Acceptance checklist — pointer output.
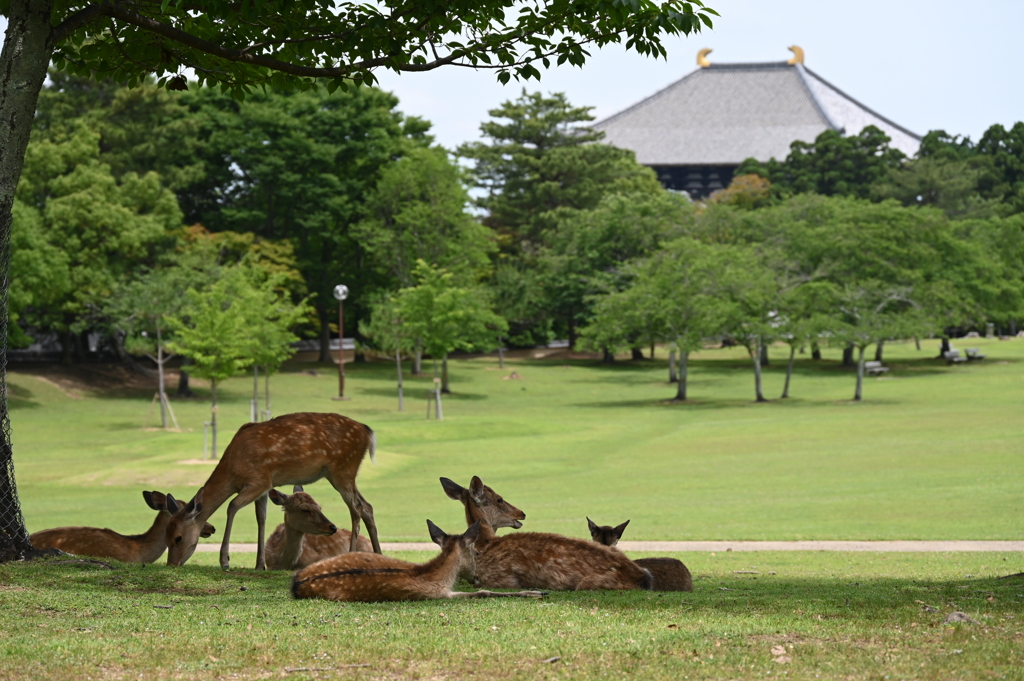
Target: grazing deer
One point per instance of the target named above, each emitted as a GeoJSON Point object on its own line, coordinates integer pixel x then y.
{"type": "Point", "coordinates": [669, 574]}
{"type": "Point", "coordinates": [104, 543]}
{"type": "Point", "coordinates": [306, 535]}
{"type": "Point", "coordinates": [294, 449]}
{"type": "Point", "coordinates": [606, 534]}
{"type": "Point", "coordinates": [372, 578]}
{"type": "Point", "coordinates": [537, 560]}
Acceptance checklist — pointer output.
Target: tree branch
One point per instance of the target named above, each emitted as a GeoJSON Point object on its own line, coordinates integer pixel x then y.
{"type": "Point", "coordinates": [74, 22]}
{"type": "Point", "coordinates": [132, 17]}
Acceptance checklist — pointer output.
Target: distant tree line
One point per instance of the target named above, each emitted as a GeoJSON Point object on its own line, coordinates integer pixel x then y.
{"type": "Point", "coordinates": [846, 241]}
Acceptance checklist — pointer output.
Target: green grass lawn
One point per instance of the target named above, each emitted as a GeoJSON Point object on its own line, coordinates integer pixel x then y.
{"type": "Point", "coordinates": [933, 451]}
{"type": "Point", "coordinates": [801, 616]}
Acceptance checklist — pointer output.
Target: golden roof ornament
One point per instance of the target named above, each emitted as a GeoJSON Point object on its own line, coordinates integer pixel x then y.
{"type": "Point", "coordinates": [702, 57]}
{"type": "Point", "coordinates": [798, 55]}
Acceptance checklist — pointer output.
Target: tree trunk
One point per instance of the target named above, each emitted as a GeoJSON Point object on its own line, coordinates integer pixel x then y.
{"type": "Point", "coordinates": [183, 389]}
{"type": "Point", "coordinates": [23, 62]}
{"type": "Point", "coordinates": [444, 374]}
{"type": "Point", "coordinates": [417, 364]}
{"type": "Point", "coordinates": [917, 343]}
{"type": "Point", "coordinates": [266, 392]}
{"type": "Point", "coordinates": [878, 350]}
{"type": "Point", "coordinates": [684, 360]}
{"type": "Point", "coordinates": [160, 374]}
{"type": "Point", "coordinates": [572, 333]}
{"type": "Point", "coordinates": [638, 354]}
{"type": "Point", "coordinates": [860, 373]}
{"type": "Point", "coordinates": [764, 354]}
{"type": "Point", "coordinates": [789, 371]}
{"type": "Point", "coordinates": [815, 351]}
{"type": "Point", "coordinates": [755, 355]}
{"type": "Point", "coordinates": [213, 418]}
{"type": "Point", "coordinates": [398, 367]}
{"type": "Point", "coordinates": [254, 405]}
{"type": "Point", "coordinates": [672, 378]}
{"type": "Point", "coordinates": [67, 348]}
{"type": "Point", "coordinates": [501, 354]}
{"type": "Point", "coordinates": [608, 357]}
{"type": "Point", "coordinates": [944, 348]}
{"type": "Point", "coordinates": [325, 339]}
{"type": "Point", "coordinates": [848, 356]}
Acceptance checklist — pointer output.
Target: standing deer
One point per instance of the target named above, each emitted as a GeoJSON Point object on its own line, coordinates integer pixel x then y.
{"type": "Point", "coordinates": [539, 560]}
{"type": "Point", "coordinates": [294, 449]}
{"type": "Point", "coordinates": [372, 578]}
{"type": "Point", "coordinates": [306, 535]}
{"type": "Point", "coordinates": [669, 574]}
{"type": "Point", "coordinates": [104, 543]}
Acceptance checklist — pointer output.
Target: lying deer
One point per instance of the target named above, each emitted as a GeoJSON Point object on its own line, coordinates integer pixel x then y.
{"type": "Point", "coordinates": [669, 573]}
{"type": "Point", "coordinates": [371, 578]}
{"type": "Point", "coordinates": [538, 560]}
{"type": "Point", "coordinates": [104, 543]}
{"type": "Point", "coordinates": [294, 449]}
{"type": "Point", "coordinates": [606, 534]}
{"type": "Point", "coordinates": [306, 535]}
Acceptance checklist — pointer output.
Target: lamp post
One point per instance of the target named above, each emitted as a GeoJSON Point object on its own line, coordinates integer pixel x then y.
{"type": "Point", "coordinates": [340, 294]}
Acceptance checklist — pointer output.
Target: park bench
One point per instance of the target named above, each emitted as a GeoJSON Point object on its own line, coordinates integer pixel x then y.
{"type": "Point", "coordinates": [874, 368]}
{"type": "Point", "coordinates": [974, 354]}
{"type": "Point", "coordinates": [953, 357]}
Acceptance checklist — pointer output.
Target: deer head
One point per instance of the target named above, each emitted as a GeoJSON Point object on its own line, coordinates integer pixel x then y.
{"type": "Point", "coordinates": [302, 513]}
{"type": "Point", "coordinates": [606, 534]}
{"type": "Point", "coordinates": [183, 531]}
{"type": "Point", "coordinates": [499, 513]}
{"type": "Point", "coordinates": [158, 502]}
{"type": "Point", "coordinates": [467, 554]}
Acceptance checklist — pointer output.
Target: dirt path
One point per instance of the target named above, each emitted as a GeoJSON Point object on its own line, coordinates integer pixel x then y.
{"type": "Point", "coordinates": [707, 546]}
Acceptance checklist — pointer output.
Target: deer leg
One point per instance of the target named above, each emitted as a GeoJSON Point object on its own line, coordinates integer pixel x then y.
{"type": "Point", "coordinates": [366, 511]}
{"type": "Point", "coordinates": [359, 509]}
{"type": "Point", "coordinates": [245, 496]}
{"type": "Point", "coordinates": [496, 594]}
{"type": "Point", "coordinates": [261, 524]}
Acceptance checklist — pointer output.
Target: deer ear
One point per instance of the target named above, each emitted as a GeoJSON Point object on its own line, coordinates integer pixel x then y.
{"type": "Point", "coordinates": [151, 502]}
{"type": "Point", "coordinates": [471, 534]}
{"type": "Point", "coordinates": [277, 497]}
{"type": "Point", "coordinates": [620, 529]}
{"type": "Point", "coordinates": [208, 530]}
{"type": "Point", "coordinates": [172, 505]}
{"type": "Point", "coordinates": [591, 525]}
{"type": "Point", "coordinates": [452, 489]}
{"type": "Point", "coordinates": [476, 489]}
{"type": "Point", "coordinates": [437, 535]}
{"type": "Point", "coordinates": [297, 488]}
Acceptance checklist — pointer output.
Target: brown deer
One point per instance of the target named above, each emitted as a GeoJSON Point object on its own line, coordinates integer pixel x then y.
{"type": "Point", "coordinates": [294, 449]}
{"type": "Point", "coordinates": [606, 534]}
{"type": "Point", "coordinates": [538, 560]}
{"type": "Point", "coordinates": [372, 578]}
{"type": "Point", "coordinates": [669, 574]}
{"type": "Point", "coordinates": [306, 535]}
{"type": "Point", "coordinates": [104, 543]}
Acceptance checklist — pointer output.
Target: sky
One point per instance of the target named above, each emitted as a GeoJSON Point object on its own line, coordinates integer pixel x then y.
{"type": "Point", "coordinates": [925, 64]}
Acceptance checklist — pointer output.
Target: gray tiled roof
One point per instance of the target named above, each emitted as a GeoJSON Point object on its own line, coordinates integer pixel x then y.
{"type": "Point", "coordinates": [724, 113]}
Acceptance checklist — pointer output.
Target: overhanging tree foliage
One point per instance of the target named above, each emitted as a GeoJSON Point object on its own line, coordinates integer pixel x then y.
{"type": "Point", "coordinates": [238, 46]}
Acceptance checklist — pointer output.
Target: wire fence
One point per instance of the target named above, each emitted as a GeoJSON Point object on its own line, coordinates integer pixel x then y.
{"type": "Point", "coordinates": [14, 541]}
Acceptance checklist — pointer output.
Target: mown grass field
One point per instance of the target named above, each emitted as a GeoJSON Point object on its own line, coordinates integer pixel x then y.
{"type": "Point", "coordinates": [933, 451]}
{"type": "Point", "coordinates": [802, 616]}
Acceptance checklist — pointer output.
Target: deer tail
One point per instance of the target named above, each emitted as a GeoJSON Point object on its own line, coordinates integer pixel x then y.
{"type": "Point", "coordinates": [371, 448]}
{"type": "Point", "coordinates": [647, 581]}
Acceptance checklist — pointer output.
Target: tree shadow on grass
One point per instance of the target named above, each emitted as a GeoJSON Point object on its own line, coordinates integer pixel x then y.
{"type": "Point", "coordinates": [20, 398]}
{"type": "Point", "coordinates": [423, 394]}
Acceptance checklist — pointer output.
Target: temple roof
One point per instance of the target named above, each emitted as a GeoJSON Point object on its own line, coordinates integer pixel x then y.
{"type": "Point", "coordinates": [721, 114]}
